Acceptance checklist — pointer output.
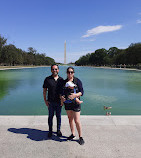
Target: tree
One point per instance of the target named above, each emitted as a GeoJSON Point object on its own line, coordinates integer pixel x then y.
{"type": "Point", "coordinates": [113, 51]}
{"type": "Point", "coordinates": [120, 58]}
{"type": "Point", "coordinates": [92, 59]}
{"type": "Point", "coordinates": [84, 60]}
{"type": "Point", "coordinates": [10, 55]}
{"type": "Point", "coordinates": [133, 54]}
{"type": "Point", "coordinates": [2, 44]}
{"type": "Point", "coordinates": [31, 56]}
{"type": "Point", "coordinates": [129, 56]}
{"type": "Point", "coordinates": [49, 61]}
{"type": "Point", "coordinates": [97, 58]}
{"type": "Point", "coordinates": [112, 54]}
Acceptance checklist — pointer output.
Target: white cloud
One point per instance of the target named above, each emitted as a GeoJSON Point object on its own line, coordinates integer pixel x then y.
{"type": "Point", "coordinates": [138, 21]}
{"type": "Point", "coordinates": [101, 29]}
{"type": "Point", "coordinates": [91, 40]}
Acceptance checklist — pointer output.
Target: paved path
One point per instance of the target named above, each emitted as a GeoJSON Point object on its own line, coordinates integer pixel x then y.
{"type": "Point", "coordinates": [105, 137]}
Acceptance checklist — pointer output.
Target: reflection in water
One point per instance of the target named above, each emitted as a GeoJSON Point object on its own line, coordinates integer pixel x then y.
{"type": "Point", "coordinates": [11, 79]}
{"type": "Point", "coordinates": [21, 91]}
{"type": "Point", "coordinates": [102, 98]}
{"type": "Point", "coordinates": [3, 88]}
{"type": "Point", "coordinates": [133, 82]}
{"type": "Point", "coordinates": [6, 83]}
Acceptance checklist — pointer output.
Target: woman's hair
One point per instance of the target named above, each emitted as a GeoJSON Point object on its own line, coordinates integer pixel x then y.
{"type": "Point", "coordinates": [70, 67]}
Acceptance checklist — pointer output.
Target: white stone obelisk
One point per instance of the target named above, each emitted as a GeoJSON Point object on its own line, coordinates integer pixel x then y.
{"type": "Point", "coordinates": [65, 52]}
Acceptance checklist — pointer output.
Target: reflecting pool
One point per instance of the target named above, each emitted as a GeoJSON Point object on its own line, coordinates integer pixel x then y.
{"type": "Point", "coordinates": [21, 91]}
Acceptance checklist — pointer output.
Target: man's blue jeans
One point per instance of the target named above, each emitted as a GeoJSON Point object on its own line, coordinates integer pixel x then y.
{"type": "Point", "coordinates": [54, 107]}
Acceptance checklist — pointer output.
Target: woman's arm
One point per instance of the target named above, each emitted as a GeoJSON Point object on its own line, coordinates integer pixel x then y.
{"type": "Point", "coordinates": [75, 95]}
{"type": "Point", "coordinates": [80, 89]}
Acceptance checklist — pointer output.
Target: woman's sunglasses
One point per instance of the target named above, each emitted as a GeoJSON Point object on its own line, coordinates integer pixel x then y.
{"type": "Point", "coordinates": [70, 72]}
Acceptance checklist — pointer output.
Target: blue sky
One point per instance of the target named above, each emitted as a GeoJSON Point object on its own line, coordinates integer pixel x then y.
{"type": "Point", "coordinates": [86, 25]}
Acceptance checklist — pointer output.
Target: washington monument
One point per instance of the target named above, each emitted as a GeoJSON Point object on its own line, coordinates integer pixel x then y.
{"type": "Point", "coordinates": [65, 52]}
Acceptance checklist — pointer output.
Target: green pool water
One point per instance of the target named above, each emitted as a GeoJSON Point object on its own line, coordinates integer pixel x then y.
{"type": "Point", "coordinates": [21, 91]}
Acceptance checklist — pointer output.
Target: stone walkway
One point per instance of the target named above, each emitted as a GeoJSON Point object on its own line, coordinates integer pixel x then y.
{"type": "Point", "coordinates": [105, 137]}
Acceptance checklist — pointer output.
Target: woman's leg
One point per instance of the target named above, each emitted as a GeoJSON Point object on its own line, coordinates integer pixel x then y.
{"type": "Point", "coordinates": [78, 126]}
{"type": "Point", "coordinates": [77, 122]}
{"type": "Point", "coordinates": [71, 121]}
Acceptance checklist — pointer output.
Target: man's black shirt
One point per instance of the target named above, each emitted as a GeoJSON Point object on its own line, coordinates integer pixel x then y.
{"type": "Point", "coordinates": [54, 87]}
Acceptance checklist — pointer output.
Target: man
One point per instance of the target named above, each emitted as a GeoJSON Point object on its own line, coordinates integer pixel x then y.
{"type": "Point", "coordinates": [53, 84]}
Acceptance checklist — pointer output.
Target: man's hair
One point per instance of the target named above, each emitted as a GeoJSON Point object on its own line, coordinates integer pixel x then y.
{"type": "Point", "coordinates": [54, 65]}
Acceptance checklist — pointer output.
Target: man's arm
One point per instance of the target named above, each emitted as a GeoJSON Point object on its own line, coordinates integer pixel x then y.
{"type": "Point", "coordinates": [44, 95]}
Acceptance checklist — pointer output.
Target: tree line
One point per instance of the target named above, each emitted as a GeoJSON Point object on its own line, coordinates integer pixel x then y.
{"type": "Point", "coordinates": [129, 57]}
{"type": "Point", "coordinates": [11, 56]}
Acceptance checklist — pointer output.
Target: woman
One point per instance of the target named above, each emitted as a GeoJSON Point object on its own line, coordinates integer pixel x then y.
{"type": "Point", "coordinates": [73, 109]}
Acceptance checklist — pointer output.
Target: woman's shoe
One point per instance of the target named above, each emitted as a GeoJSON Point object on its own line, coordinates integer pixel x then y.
{"type": "Point", "coordinates": [71, 137]}
{"type": "Point", "coordinates": [81, 141]}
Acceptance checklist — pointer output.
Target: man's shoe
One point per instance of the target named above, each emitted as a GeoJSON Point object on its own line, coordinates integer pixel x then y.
{"type": "Point", "coordinates": [59, 133]}
{"type": "Point", "coordinates": [71, 137]}
{"type": "Point", "coordinates": [50, 134]}
{"type": "Point", "coordinates": [81, 141]}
